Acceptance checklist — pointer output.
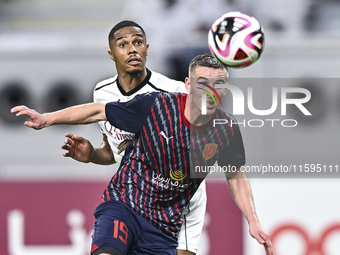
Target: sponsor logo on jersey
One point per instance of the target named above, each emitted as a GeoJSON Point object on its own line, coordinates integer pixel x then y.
{"type": "Point", "coordinates": [127, 98]}
{"type": "Point", "coordinates": [117, 133]}
{"type": "Point", "coordinates": [177, 175]}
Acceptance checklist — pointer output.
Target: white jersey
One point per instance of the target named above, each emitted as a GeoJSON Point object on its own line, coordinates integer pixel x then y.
{"type": "Point", "coordinates": [110, 90]}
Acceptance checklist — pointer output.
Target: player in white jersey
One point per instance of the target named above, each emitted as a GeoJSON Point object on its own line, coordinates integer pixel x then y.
{"type": "Point", "coordinates": [80, 149]}
{"type": "Point", "coordinates": [110, 90]}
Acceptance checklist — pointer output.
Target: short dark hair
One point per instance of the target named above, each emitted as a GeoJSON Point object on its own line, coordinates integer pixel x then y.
{"type": "Point", "coordinates": [207, 60]}
{"type": "Point", "coordinates": [124, 23]}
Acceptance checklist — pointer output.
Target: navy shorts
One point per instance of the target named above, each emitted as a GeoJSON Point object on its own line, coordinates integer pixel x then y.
{"type": "Point", "coordinates": [119, 227]}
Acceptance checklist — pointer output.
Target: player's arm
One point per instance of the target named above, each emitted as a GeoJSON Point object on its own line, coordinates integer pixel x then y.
{"type": "Point", "coordinates": [80, 114]}
{"type": "Point", "coordinates": [82, 150]}
{"type": "Point", "coordinates": [241, 192]}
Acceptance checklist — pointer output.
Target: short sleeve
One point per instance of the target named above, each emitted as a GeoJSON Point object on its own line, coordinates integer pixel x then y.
{"type": "Point", "coordinates": [131, 115]}
{"type": "Point", "coordinates": [233, 154]}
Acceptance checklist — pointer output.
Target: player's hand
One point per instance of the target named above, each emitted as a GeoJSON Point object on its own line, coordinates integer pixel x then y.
{"type": "Point", "coordinates": [38, 121]}
{"type": "Point", "coordinates": [122, 146]}
{"type": "Point", "coordinates": [78, 148]}
{"type": "Point", "coordinates": [261, 236]}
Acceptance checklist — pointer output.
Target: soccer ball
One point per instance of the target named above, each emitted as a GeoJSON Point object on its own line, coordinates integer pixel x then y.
{"type": "Point", "coordinates": [236, 39]}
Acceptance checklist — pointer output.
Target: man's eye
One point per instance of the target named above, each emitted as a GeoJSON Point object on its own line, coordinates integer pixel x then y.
{"type": "Point", "coordinates": [218, 83]}
{"type": "Point", "coordinates": [202, 83]}
{"type": "Point", "coordinates": [122, 45]}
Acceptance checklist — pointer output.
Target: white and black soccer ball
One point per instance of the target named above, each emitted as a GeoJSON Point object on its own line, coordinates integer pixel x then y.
{"type": "Point", "coordinates": [236, 39]}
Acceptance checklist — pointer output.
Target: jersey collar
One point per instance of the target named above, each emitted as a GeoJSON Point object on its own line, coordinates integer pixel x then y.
{"type": "Point", "coordinates": [139, 86]}
{"type": "Point", "coordinates": [187, 122]}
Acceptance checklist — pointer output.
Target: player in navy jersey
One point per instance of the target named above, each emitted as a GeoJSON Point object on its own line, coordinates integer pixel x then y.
{"type": "Point", "coordinates": [123, 87]}
{"type": "Point", "coordinates": [154, 182]}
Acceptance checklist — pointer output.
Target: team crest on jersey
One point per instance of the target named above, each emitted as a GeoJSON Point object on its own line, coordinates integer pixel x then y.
{"type": "Point", "coordinates": [209, 150]}
{"type": "Point", "coordinates": [177, 175]}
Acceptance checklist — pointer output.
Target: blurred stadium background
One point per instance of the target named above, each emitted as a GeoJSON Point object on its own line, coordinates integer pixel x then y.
{"type": "Point", "coordinates": [52, 53]}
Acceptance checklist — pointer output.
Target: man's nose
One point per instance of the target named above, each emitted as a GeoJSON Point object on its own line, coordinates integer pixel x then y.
{"type": "Point", "coordinates": [132, 48]}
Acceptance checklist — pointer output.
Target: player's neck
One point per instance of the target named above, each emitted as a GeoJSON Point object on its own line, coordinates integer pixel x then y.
{"type": "Point", "coordinates": [194, 115]}
{"type": "Point", "coordinates": [129, 81]}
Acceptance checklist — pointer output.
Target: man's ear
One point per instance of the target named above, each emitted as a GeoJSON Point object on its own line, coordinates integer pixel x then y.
{"type": "Point", "coordinates": [225, 91]}
{"type": "Point", "coordinates": [187, 84]}
{"type": "Point", "coordinates": [111, 55]}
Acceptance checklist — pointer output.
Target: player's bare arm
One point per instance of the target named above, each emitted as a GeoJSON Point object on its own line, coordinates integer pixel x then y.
{"type": "Point", "coordinates": [80, 114]}
{"type": "Point", "coordinates": [82, 150]}
{"type": "Point", "coordinates": [241, 192]}
{"type": "Point", "coordinates": [122, 146]}
{"type": "Point", "coordinates": [184, 252]}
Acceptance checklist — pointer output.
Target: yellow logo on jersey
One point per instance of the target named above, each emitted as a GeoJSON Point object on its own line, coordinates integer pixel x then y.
{"type": "Point", "coordinates": [177, 175]}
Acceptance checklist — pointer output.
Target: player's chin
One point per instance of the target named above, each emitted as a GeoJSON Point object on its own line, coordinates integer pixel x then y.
{"type": "Point", "coordinates": [211, 109]}
{"type": "Point", "coordinates": [135, 67]}
{"type": "Point", "coordinates": [209, 112]}
{"type": "Point", "coordinates": [135, 70]}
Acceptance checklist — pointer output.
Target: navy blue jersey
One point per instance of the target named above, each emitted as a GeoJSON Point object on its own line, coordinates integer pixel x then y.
{"type": "Point", "coordinates": [154, 176]}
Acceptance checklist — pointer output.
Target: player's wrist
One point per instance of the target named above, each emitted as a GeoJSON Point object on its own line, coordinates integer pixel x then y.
{"type": "Point", "coordinates": [46, 120]}
{"type": "Point", "coordinates": [253, 220]}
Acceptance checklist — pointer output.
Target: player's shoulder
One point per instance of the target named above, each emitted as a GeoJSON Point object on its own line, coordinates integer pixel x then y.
{"type": "Point", "coordinates": [106, 90]}
{"type": "Point", "coordinates": [161, 95]}
{"type": "Point", "coordinates": [164, 83]}
{"type": "Point", "coordinates": [105, 83]}
{"type": "Point", "coordinates": [222, 114]}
